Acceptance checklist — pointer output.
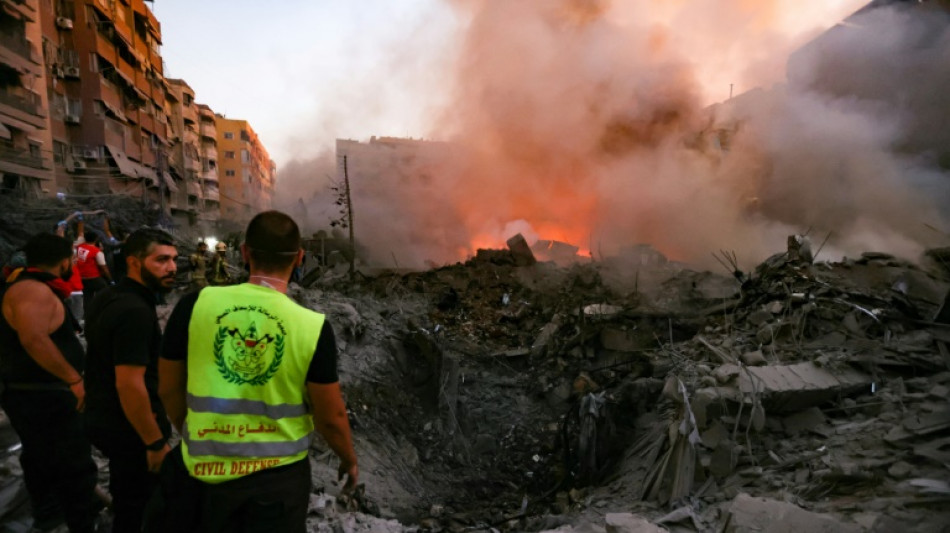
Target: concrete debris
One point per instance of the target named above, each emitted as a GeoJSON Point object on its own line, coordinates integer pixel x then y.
{"type": "Point", "coordinates": [795, 387]}
{"type": "Point", "coordinates": [522, 252]}
{"type": "Point", "coordinates": [799, 249]}
{"type": "Point", "coordinates": [629, 523]}
{"type": "Point", "coordinates": [806, 420]}
{"type": "Point", "coordinates": [557, 251]}
{"type": "Point", "coordinates": [747, 514]}
{"type": "Point", "coordinates": [603, 311]}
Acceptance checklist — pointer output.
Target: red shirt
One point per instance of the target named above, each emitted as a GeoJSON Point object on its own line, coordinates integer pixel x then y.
{"type": "Point", "coordinates": [86, 260]}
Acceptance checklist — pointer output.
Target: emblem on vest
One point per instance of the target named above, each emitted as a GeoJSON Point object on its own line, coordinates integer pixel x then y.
{"type": "Point", "coordinates": [249, 354]}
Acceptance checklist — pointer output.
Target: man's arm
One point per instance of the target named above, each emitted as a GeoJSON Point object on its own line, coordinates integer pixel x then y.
{"type": "Point", "coordinates": [330, 420]}
{"type": "Point", "coordinates": [31, 311]}
{"type": "Point", "coordinates": [172, 382]}
{"type": "Point", "coordinates": [80, 229]}
{"type": "Point", "coordinates": [173, 364]}
{"type": "Point", "coordinates": [130, 384]}
{"type": "Point", "coordinates": [103, 267]}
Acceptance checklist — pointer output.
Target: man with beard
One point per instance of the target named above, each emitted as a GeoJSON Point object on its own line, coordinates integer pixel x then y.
{"type": "Point", "coordinates": [43, 391]}
{"type": "Point", "coordinates": [124, 415]}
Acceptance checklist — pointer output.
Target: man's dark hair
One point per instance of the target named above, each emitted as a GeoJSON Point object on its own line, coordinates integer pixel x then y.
{"type": "Point", "coordinates": [273, 241]}
{"type": "Point", "coordinates": [91, 237]}
{"type": "Point", "coordinates": [140, 242]}
{"type": "Point", "coordinates": [47, 250]}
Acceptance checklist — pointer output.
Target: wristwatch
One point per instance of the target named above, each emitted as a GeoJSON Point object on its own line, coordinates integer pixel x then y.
{"type": "Point", "coordinates": [156, 446]}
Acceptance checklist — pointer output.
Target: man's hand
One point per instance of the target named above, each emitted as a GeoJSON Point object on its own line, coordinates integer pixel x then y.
{"type": "Point", "coordinates": [352, 473]}
{"type": "Point", "coordinates": [155, 459]}
{"type": "Point", "coordinates": [79, 391]}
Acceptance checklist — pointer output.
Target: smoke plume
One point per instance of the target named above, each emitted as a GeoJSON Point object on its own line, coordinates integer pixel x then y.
{"type": "Point", "coordinates": [588, 121]}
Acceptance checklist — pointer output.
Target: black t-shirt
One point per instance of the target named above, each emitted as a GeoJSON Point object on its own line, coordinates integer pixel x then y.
{"type": "Point", "coordinates": [322, 367]}
{"type": "Point", "coordinates": [121, 329]}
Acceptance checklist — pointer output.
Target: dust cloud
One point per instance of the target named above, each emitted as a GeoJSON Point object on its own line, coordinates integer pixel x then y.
{"type": "Point", "coordinates": [589, 122]}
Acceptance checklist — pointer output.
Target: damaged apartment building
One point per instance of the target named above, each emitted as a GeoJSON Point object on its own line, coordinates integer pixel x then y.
{"type": "Point", "coordinates": [86, 110]}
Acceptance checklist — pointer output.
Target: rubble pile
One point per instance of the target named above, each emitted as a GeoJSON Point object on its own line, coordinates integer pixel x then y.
{"type": "Point", "coordinates": [511, 394]}
{"type": "Point", "coordinates": [20, 219]}
{"type": "Point", "coordinates": [537, 394]}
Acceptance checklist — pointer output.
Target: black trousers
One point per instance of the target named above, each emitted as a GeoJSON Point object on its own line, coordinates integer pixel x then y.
{"type": "Point", "coordinates": [58, 469]}
{"type": "Point", "coordinates": [91, 287]}
{"type": "Point", "coordinates": [274, 500]}
{"type": "Point", "coordinates": [130, 482]}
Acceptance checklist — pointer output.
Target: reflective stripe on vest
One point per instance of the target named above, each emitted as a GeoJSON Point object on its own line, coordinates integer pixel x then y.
{"type": "Point", "coordinates": [224, 406]}
{"type": "Point", "coordinates": [249, 350]}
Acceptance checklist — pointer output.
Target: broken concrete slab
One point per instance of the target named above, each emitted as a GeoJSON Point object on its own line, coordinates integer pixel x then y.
{"type": "Point", "coordinates": [748, 514]}
{"type": "Point", "coordinates": [802, 421]}
{"type": "Point", "coordinates": [796, 387]}
{"type": "Point", "coordinates": [557, 251]}
{"type": "Point", "coordinates": [522, 252]}
{"type": "Point", "coordinates": [630, 523]}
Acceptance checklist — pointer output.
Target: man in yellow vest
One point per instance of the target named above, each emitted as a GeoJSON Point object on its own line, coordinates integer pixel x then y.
{"type": "Point", "coordinates": [246, 375]}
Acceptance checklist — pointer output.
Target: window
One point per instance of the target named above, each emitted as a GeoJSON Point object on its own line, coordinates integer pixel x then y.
{"type": "Point", "coordinates": [59, 152]}
{"type": "Point", "coordinates": [229, 173]}
{"type": "Point", "coordinates": [229, 154]}
{"type": "Point", "coordinates": [245, 156]}
{"type": "Point", "coordinates": [229, 135]}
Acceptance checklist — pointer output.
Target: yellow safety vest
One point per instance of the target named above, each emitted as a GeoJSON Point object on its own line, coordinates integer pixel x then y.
{"type": "Point", "coordinates": [249, 348]}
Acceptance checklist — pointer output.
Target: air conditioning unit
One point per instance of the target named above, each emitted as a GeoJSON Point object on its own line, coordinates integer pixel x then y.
{"type": "Point", "coordinates": [71, 118]}
{"type": "Point", "coordinates": [64, 23]}
{"type": "Point", "coordinates": [78, 164]}
{"type": "Point", "coordinates": [58, 72]}
{"type": "Point", "coordinates": [72, 72]}
{"type": "Point", "coordinates": [90, 153]}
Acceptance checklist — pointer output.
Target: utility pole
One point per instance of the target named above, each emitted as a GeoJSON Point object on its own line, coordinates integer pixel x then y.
{"type": "Point", "coordinates": [349, 216]}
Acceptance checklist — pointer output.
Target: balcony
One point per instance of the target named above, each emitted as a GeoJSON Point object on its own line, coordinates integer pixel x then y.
{"type": "Point", "coordinates": [210, 176]}
{"type": "Point", "coordinates": [193, 189]}
{"type": "Point", "coordinates": [16, 43]}
{"type": "Point", "coordinates": [208, 130]}
{"type": "Point", "coordinates": [110, 94]}
{"type": "Point", "coordinates": [105, 48]}
{"type": "Point", "coordinates": [189, 113]}
{"type": "Point", "coordinates": [211, 194]}
{"type": "Point", "coordinates": [192, 164]}
{"type": "Point", "coordinates": [18, 156]}
{"type": "Point", "coordinates": [128, 71]}
{"type": "Point", "coordinates": [191, 137]}
{"type": "Point", "coordinates": [147, 122]}
{"type": "Point", "coordinates": [210, 152]}
{"type": "Point", "coordinates": [29, 103]}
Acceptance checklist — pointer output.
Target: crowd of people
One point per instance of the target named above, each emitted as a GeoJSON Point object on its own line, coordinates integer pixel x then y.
{"type": "Point", "coordinates": [241, 373]}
